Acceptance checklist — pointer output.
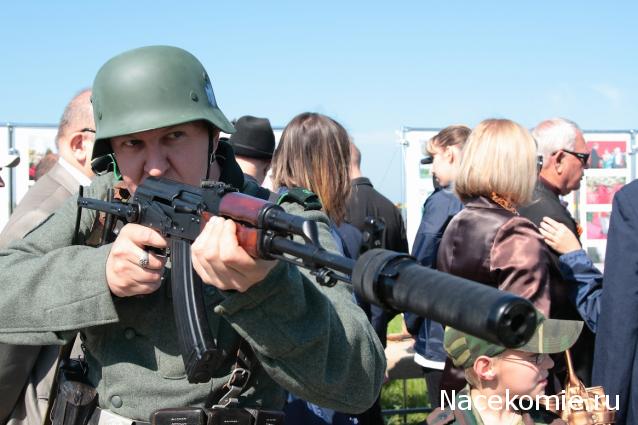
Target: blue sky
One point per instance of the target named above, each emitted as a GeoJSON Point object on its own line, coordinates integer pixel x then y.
{"type": "Point", "coordinates": [373, 66]}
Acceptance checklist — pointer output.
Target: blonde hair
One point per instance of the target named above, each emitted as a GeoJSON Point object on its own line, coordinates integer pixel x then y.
{"type": "Point", "coordinates": [499, 157]}
{"type": "Point", "coordinates": [314, 153]}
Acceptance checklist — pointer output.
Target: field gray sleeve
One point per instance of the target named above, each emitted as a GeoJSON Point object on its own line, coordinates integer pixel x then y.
{"type": "Point", "coordinates": [313, 340]}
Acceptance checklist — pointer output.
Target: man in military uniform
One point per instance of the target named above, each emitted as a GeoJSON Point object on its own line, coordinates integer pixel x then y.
{"type": "Point", "coordinates": [156, 115]}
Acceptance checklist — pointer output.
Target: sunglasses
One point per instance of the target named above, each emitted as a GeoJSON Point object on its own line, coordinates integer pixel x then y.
{"type": "Point", "coordinates": [535, 359]}
{"type": "Point", "coordinates": [583, 157]}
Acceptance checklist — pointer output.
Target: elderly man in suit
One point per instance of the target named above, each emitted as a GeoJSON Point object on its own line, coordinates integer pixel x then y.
{"type": "Point", "coordinates": [565, 158]}
{"type": "Point", "coordinates": [74, 141]}
{"type": "Point", "coordinates": [25, 385]}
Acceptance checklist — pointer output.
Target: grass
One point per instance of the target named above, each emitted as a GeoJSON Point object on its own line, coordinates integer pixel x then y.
{"type": "Point", "coordinates": [392, 393]}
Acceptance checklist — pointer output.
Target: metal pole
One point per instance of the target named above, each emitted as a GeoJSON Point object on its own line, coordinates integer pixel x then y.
{"type": "Point", "coordinates": [12, 172]}
{"type": "Point", "coordinates": [632, 153]}
{"type": "Point", "coordinates": [404, 145]}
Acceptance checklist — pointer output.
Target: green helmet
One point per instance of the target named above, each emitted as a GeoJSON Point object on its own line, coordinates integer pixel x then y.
{"type": "Point", "coordinates": [149, 88]}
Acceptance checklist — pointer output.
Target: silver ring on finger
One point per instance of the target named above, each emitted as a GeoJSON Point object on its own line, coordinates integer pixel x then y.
{"type": "Point", "coordinates": [143, 260]}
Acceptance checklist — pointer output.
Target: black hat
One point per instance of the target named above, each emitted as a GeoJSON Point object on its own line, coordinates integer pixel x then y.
{"type": "Point", "coordinates": [427, 160]}
{"type": "Point", "coordinates": [253, 137]}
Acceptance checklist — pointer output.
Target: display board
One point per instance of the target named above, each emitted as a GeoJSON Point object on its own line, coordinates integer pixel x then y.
{"type": "Point", "coordinates": [610, 168]}
{"type": "Point", "coordinates": [32, 141]}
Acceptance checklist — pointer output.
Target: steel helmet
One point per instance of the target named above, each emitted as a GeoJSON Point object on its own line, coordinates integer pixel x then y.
{"type": "Point", "coordinates": [148, 88]}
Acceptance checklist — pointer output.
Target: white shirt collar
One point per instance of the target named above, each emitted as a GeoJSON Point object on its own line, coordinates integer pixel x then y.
{"type": "Point", "coordinates": [77, 174]}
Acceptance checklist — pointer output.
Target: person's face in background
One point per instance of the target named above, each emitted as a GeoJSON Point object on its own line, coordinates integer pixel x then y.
{"type": "Point", "coordinates": [576, 167]}
{"type": "Point", "coordinates": [522, 373]}
{"type": "Point", "coordinates": [445, 161]}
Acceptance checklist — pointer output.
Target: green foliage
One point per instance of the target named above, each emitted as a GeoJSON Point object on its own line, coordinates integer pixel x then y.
{"type": "Point", "coordinates": [392, 395]}
{"type": "Point", "coordinates": [394, 327]}
{"type": "Point", "coordinates": [400, 394]}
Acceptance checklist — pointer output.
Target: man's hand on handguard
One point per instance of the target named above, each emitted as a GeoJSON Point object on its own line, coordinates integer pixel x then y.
{"type": "Point", "coordinates": [220, 261]}
{"type": "Point", "coordinates": [130, 268]}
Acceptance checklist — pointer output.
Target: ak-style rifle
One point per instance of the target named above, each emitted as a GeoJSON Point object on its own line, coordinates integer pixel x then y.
{"type": "Point", "coordinates": [178, 211]}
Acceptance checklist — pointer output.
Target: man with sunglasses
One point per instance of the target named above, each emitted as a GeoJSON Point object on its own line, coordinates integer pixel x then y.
{"type": "Point", "coordinates": [26, 372]}
{"type": "Point", "coordinates": [565, 157]}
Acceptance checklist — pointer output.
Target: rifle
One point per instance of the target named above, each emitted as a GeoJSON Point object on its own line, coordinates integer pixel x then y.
{"type": "Point", "coordinates": [178, 211]}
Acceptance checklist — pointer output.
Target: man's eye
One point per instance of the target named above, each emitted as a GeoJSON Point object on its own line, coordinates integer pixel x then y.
{"type": "Point", "coordinates": [131, 143]}
{"type": "Point", "coordinates": [175, 135]}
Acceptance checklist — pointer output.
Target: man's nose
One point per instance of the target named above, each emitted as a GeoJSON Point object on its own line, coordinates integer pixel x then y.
{"type": "Point", "coordinates": [156, 164]}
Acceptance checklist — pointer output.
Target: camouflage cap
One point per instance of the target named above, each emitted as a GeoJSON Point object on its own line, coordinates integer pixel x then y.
{"type": "Point", "coordinates": [551, 336]}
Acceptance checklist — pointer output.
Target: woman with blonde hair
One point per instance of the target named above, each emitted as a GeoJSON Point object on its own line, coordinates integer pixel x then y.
{"type": "Point", "coordinates": [488, 241]}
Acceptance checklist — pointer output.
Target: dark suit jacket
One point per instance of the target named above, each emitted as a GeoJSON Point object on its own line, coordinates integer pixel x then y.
{"type": "Point", "coordinates": [616, 357]}
{"type": "Point", "coordinates": [23, 367]}
{"type": "Point", "coordinates": [366, 201]}
{"type": "Point", "coordinates": [438, 210]}
{"type": "Point", "coordinates": [547, 203]}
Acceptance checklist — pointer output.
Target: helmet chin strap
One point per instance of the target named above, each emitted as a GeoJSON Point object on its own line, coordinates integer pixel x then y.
{"type": "Point", "coordinates": [211, 153]}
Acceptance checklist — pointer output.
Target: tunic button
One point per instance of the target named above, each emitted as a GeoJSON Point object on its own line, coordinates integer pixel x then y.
{"type": "Point", "coordinates": [129, 333]}
{"type": "Point", "coordinates": [116, 401]}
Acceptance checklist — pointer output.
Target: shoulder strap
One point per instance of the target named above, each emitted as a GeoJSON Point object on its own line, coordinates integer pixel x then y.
{"type": "Point", "coordinates": [253, 189]}
{"type": "Point", "coordinates": [64, 356]}
{"type": "Point", "coordinates": [245, 365]}
{"type": "Point", "coordinates": [301, 196]}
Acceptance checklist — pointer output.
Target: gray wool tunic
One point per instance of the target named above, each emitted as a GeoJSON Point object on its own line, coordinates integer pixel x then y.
{"type": "Point", "coordinates": [311, 340]}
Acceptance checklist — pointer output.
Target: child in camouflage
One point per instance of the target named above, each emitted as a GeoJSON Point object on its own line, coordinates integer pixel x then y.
{"type": "Point", "coordinates": [505, 386]}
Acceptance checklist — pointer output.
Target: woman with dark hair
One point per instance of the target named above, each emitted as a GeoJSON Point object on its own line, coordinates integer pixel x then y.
{"type": "Point", "coordinates": [445, 149]}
